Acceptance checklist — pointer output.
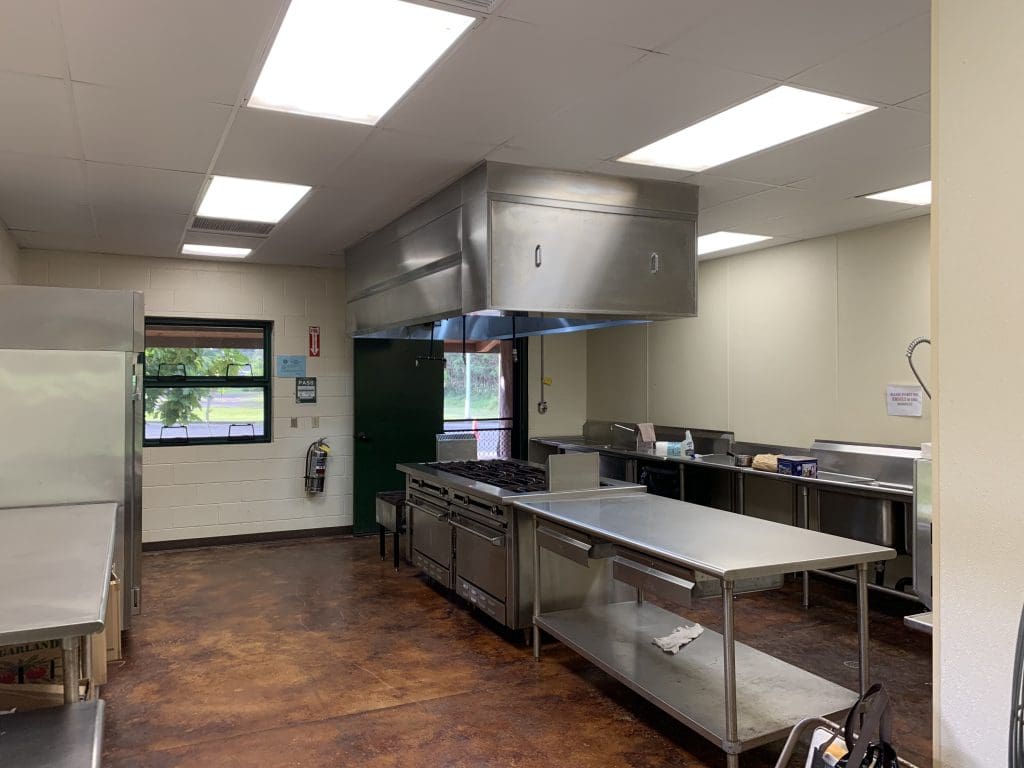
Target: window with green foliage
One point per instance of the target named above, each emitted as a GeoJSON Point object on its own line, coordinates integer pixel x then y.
{"type": "Point", "coordinates": [207, 381]}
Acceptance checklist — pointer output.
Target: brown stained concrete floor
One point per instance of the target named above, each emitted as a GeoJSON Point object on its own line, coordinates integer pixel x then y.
{"type": "Point", "coordinates": [316, 653]}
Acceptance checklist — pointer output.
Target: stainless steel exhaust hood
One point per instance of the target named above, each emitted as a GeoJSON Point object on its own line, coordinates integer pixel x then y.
{"type": "Point", "coordinates": [523, 251]}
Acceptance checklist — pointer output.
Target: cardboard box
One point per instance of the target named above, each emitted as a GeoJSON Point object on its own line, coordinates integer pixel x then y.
{"type": "Point", "coordinates": [798, 466]}
{"type": "Point", "coordinates": [28, 663]}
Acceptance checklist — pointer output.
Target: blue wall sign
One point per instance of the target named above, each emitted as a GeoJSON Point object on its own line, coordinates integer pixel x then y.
{"type": "Point", "coordinates": [290, 366]}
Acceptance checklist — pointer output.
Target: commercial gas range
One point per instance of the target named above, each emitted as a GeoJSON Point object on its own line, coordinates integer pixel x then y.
{"type": "Point", "coordinates": [467, 537]}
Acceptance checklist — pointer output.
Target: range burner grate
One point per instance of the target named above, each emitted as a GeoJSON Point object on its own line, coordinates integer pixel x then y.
{"type": "Point", "coordinates": [507, 475]}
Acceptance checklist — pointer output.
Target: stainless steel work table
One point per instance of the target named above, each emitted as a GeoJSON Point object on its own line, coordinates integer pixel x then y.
{"type": "Point", "coordinates": [733, 695]}
{"type": "Point", "coordinates": [64, 737]}
{"type": "Point", "coordinates": [56, 574]}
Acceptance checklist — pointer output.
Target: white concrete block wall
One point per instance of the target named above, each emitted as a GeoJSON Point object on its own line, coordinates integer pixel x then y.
{"type": "Point", "coordinates": [223, 490]}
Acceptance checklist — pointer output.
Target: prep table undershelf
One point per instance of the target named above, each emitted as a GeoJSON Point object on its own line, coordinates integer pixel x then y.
{"type": "Point", "coordinates": [771, 694]}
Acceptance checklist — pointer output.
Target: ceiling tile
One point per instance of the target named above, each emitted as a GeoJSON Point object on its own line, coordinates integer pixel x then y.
{"type": "Point", "coordinates": [889, 69]}
{"type": "Point", "coordinates": [884, 170]}
{"type": "Point", "coordinates": [132, 186]}
{"type": "Point", "coordinates": [135, 128]}
{"type": "Point", "coordinates": [821, 217]}
{"type": "Point", "coordinates": [125, 223]}
{"type": "Point", "coordinates": [392, 171]}
{"type": "Point", "coordinates": [504, 76]}
{"type": "Point", "coordinates": [37, 116]}
{"type": "Point", "coordinates": [52, 241]}
{"type": "Point", "coordinates": [887, 130]}
{"type": "Point", "coordinates": [715, 190]}
{"type": "Point", "coordinates": [186, 49]}
{"type": "Point", "coordinates": [922, 103]}
{"type": "Point", "coordinates": [280, 147]}
{"type": "Point", "coordinates": [782, 38]}
{"type": "Point", "coordinates": [42, 177]}
{"type": "Point", "coordinates": [33, 44]}
{"type": "Point", "coordinates": [746, 214]}
{"type": "Point", "coordinates": [653, 98]}
{"type": "Point", "coordinates": [46, 215]}
{"type": "Point", "coordinates": [640, 23]}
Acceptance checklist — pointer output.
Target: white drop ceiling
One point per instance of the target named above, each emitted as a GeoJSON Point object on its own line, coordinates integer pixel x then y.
{"type": "Point", "coordinates": [114, 112]}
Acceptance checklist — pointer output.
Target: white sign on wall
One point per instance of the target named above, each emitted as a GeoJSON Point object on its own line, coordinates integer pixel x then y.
{"type": "Point", "coordinates": [904, 400]}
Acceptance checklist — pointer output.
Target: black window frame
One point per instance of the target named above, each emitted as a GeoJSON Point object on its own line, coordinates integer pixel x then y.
{"type": "Point", "coordinates": [264, 382]}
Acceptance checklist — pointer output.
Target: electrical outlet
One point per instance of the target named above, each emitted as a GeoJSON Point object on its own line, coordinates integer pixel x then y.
{"type": "Point", "coordinates": [316, 422]}
{"type": "Point", "coordinates": [295, 422]}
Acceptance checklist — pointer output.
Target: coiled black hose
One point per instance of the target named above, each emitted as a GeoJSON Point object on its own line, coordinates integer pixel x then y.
{"type": "Point", "coordinates": [1017, 704]}
{"type": "Point", "coordinates": [910, 359]}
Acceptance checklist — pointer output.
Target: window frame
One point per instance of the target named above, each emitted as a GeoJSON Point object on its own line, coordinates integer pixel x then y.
{"type": "Point", "coordinates": [264, 382]}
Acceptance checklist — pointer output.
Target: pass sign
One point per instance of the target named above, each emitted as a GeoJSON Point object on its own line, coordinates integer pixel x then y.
{"type": "Point", "coordinates": [314, 341]}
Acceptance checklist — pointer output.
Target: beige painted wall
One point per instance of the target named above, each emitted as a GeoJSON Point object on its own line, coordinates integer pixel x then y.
{"type": "Point", "coordinates": [201, 491]}
{"type": "Point", "coordinates": [792, 343]}
{"type": "Point", "coordinates": [977, 273]}
{"type": "Point", "coordinates": [9, 258]}
{"type": "Point", "coordinates": [565, 363]}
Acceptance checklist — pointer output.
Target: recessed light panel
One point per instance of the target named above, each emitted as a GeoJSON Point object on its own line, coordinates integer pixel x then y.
{"type": "Point", "coordinates": [782, 114]}
{"type": "Point", "coordinates": [720, 241]}
{"type": "Point", "coordinates": [219, 251]}
{"type": "Point", "coordinates": [915, 194]}
{"type": "Point", "coordinates": [352, 59]}
{"type": "Point", "coordinates": [250, 200]}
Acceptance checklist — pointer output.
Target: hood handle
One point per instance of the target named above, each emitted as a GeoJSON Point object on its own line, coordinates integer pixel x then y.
{"type": "Point", "coordinates": [538, 256]}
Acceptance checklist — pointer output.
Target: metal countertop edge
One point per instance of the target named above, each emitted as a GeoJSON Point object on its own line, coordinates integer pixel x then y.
{"type": "Point", "coordinates": [885, 553]}
{"type": "Point", "coordinates": [856, 489]}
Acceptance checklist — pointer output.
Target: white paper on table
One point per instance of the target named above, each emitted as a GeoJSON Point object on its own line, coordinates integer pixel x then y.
{"type": "Point", "coordinates": [904, 400]}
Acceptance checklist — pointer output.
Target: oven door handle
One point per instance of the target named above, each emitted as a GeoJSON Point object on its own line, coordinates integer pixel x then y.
{"type": "Point", "coordinates": [497, 541]}
{"type": "Point", "coordinates": [442, 516]}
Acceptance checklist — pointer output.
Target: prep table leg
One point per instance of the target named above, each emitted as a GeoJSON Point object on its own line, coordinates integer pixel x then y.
{"type": "Point", "coordinates": [729, 649]}
{"type": "Point", "coordinates": [381, 533]}
{"type": "Point", "coordinates": [69, 647]}
{"type": "Point", "coordinates": [805, 522]}
{"type": "Point", "coordinates": [536, 589]}
{"type": "Point", "coordinates": [86, 645]}
{"type": "Point", "coordinates": [862, 625]}
{"type": "Point", "coordinates": [394, 546]}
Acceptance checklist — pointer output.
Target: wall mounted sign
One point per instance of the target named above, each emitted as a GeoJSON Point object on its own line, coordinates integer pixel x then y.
{"type": "Point", "coordinates": [904, 400]}
{"type": "Point", "coordinates": [314, 341]}
{"type": "Point", "coordinates": [289, 366]}
{"type": "Point", "coordinates": [305, 389]}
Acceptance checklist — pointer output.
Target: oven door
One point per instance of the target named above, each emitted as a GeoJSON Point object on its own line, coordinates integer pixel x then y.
{"type": "Point", "coordinates": [432, 542]}
{"type": "Point", "coordinates": [482, 564]}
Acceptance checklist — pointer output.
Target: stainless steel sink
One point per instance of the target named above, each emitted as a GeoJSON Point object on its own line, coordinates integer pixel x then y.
{"type": "Point", "coordinates": [838, 477]}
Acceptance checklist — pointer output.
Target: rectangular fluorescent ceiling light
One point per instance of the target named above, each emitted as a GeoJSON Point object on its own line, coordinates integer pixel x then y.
{"type": "Point", "coordinates": [220, 251]}
{"type": "Point", "coordinates": [782, 114]}
{"type": "Point", "coordinates": [250, 200]}
{"type": "Point", "coordinates": [352, 59]}
{"type": "Point", "coordinates": [720, 241]}
{"type": "Point", "coordinates": [915, 194]}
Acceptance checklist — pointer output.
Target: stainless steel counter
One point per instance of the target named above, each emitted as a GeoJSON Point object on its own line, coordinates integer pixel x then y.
{"type": "Point", "coordinates": [69, 737]}
{"type": "Point", "coordinates": [827, 480]}
{"type": "Point", "coordinates": [56, 574]}
{"type": "Point", "coordinates": [728, 692]}
{"type": "Point", "coordinates": [707, 540]}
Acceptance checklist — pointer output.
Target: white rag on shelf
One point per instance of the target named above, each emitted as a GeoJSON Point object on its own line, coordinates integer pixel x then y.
{"type": "Point", "coordinates": [680, 636]}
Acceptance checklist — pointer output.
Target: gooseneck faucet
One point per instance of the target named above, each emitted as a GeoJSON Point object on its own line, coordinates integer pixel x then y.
{"type": "Point", "coordinates": [910, 359]}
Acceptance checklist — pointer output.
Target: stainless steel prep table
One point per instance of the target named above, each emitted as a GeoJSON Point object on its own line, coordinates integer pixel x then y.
{"type": "Point", "coordinates": [63, 737]}
{"type": "Point", "coordinates": [56, 574]}
{"type": "Point", "coordinates": [759, 698]}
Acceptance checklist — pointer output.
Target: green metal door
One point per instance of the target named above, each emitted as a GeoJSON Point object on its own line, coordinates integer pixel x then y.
{"type": "Point", "coordinates": [399, 408]}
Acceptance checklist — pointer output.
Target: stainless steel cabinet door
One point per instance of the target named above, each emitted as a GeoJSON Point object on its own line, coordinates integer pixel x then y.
{"type": "Point", "coordinates": [572, 261]}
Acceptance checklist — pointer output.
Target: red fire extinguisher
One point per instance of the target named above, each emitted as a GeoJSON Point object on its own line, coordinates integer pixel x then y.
{"type": "Point", "coordinates": [316, 466]}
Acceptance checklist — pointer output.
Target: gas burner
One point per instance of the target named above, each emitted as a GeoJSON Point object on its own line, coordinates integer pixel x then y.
{"type": "Point", "coordinates": [507, 475]}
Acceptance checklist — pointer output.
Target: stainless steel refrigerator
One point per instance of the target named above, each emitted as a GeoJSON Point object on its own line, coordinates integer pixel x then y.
{"type": "Point", "coordinates": [71, 410]}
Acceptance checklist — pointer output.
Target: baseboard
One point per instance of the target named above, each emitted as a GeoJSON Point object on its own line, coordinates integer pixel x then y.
{"type": "Point", "coordinates": [246, 538]}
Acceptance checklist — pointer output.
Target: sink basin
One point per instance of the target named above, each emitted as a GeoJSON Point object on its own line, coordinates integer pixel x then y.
{"type": "Point", "coordinates": [838, 477]}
